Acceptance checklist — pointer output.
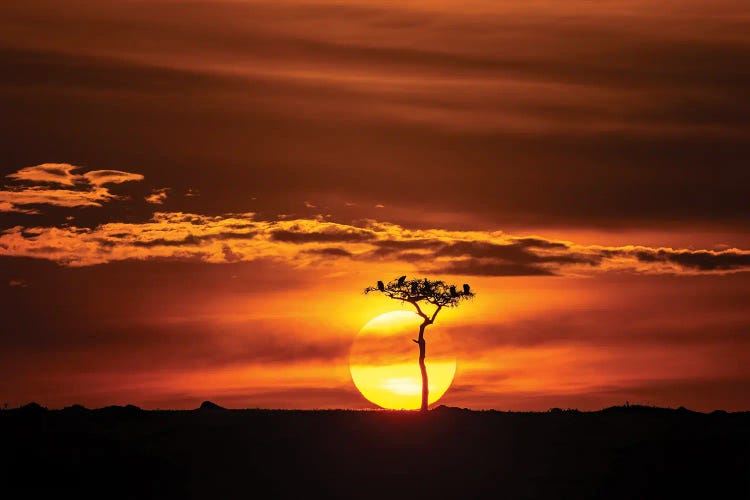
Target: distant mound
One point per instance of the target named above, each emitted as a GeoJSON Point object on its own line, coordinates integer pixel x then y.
{"type": "Point", "coordinates": [121, 410]}
{"type": "Point", "coordinates": [32, 407]}
{"type": "Point", "coordinates": [208, 405]}
{"type": "Point", "coordinates": [76, 409]}
{"type": "Point", "coordinates": [560, 411]}
{"type": "Point", "coordinates": [682, 409]}
{"type": "Point", "coordinates": [632, 409]}
{"type": "Point", "coordinates": [446, 409]}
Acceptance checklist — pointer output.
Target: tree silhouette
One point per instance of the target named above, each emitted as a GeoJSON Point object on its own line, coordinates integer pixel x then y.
{"type": "Point", "coordinates": [414, 291]}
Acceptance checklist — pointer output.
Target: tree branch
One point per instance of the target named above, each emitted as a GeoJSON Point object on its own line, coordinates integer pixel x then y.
{"type": "Point", "coordinates": [419, 310]}
{"type": "Point", "coordinates": [434, 315]}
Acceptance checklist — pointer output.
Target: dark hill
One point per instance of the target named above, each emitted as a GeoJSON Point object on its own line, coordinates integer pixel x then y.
{"type": "Point", "coordinates": [32, 407]}
{"type": "Point", "coordinates": [120, 411]}
{"type": "Point", "coordinates": [76, 409]}
{"type": "Point", "coordinates": [208, 405]}
{"type": "Point", "coordinates": [448, 453]}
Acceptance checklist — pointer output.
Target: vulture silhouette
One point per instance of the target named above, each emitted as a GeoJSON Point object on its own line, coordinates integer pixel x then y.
{"type": "Point", "coordinates": [453, 291]}
{"type": "Point", "coordinates": [381, 287]}
{"type": "Point", "coordinates": [467, 289]}
{"type": "Point", "coordinates": [401, 280]}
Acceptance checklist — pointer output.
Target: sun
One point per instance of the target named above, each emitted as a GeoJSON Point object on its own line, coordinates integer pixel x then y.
{"type": "Point", "coordinates": [383, 361]}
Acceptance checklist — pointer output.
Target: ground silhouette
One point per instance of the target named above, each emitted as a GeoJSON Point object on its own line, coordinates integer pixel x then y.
{"type": "Point", "coordinates": [622, 452]}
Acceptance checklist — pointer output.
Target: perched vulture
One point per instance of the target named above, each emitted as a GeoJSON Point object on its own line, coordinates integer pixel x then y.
{"type": "Point", "coordinates": [467, 290]}
{"type": "Point", "coordinates": [453, 291]}
{"type": "Point", "coordinates": [381, 287]}
{"type": "Point", "coordinates": [401, 280]}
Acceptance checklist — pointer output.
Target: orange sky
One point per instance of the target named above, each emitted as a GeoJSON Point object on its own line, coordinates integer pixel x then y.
{"type": "Point", "coordinates": [194, 195]}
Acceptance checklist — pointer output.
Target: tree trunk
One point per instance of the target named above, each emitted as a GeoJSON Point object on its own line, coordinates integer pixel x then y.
{"type": "Point", "coordinates": [422, 367]}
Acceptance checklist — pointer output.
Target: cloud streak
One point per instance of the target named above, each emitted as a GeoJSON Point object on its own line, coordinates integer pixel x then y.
{"type": "Point", "coordinates": [57, 184]}
{"type": "Point", "coordinates": [157, 196]}
{"type": "Point", "coordinates": [533, 113]}
{"type": "Point", "coordinates": [302, 242]}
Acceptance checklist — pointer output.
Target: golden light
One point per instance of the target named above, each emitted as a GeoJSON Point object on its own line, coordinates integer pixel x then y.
{"type": "Point", "coordinates": [383, 361]}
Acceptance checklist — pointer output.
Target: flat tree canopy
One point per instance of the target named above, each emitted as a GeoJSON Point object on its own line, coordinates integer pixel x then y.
{"type": "Point", "coordinates": [435, 292]}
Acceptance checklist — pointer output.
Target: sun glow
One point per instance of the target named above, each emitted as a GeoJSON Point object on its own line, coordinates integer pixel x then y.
{"type": "Point", "coordinates": [383, 361]}
{"type": "Point", "coordinates": [402, 386]}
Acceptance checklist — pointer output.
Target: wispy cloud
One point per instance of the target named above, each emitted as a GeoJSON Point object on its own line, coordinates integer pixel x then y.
{"type": "Point", "coordinates": [530, 113]}
{"type": "Point", "coordinates": [57, 184]}
{"type": "Point", "coordinates": [158, 196]}
{"type": "Point", "coordinates": [51, 173]}
{"type": "Point", "coordinates": [240, 237]}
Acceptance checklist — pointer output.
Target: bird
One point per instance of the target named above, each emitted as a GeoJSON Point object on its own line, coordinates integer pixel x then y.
{"type": "Point", "coordinates": [453, 291]}
{"type": "Point", "coordinates": [401, 280]}
{"type": "Point", "coordinates": [381, 287]}
{"type": "Point", "coordinates": [467, 289]}
{"type": "Point", "coordinates": [414, 287]}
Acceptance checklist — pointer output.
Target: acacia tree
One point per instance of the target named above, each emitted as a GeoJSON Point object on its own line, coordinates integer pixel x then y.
{"type": "Point", "coordinates": [416, 291]}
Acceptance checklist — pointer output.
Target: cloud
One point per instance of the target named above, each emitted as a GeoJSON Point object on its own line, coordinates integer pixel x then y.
{"type": "Point", "coordinates": [701, 260]}
{"type": "Point", "coordinates": [330, 251]}
{"type": "Point", "coordinates": [158, 196]}
{"type": "Point", "coordinates": [528, 104]}
{"type": "Point", "coordinates": [657, 324]}
{"type": "Point", "coordinates": [52, 173]}
{"type": "Point", "coordinates": [17, 198]}
{"type": "Point", "coordinates": [396, 245]}
{"type": "Point", "coordinates": [515, 251]}
{"type": "Point", "coordinates": [335, 234]}
{"type": "Point", "coordinates": [57, 184]}
{"type": "Point", "coordinates": [301, 242]}
{"type": "Point", "coordinates": [477, 267]}
{"type": "Point", "coordinates": [101, 177]}
{"type": "Point", "coordinates": [143, 346]}
{"type": "Point", "coordinates": [7, 206]}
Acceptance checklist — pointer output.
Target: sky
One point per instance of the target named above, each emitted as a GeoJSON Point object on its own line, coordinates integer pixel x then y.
{"type": "Point", "coordinates": [194, 195]}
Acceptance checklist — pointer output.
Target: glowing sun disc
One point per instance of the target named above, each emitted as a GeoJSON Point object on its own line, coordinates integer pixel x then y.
{"type": "Point", "coordinates": [383, 361]}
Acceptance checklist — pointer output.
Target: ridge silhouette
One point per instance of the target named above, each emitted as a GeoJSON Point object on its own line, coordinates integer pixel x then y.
{"type": "Point", "coordinates": [208, 405]}
{"type": "Point", "coordinates": [618, 452]}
